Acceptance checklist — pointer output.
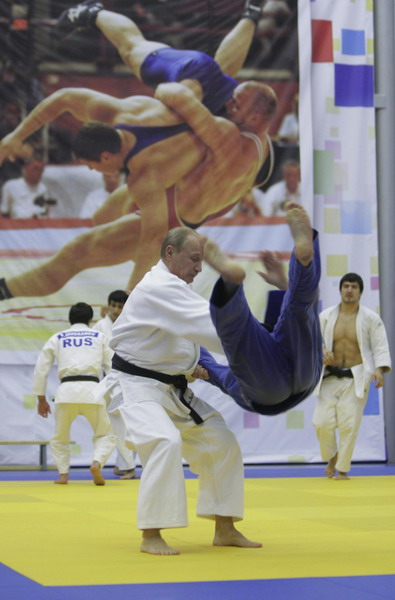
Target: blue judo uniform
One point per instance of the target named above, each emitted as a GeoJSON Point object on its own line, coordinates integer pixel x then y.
{"type": "Point", "coordinates": [269, 372]}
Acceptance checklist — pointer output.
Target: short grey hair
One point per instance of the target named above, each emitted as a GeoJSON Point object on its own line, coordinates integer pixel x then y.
{"type": "Point", "coordinates": [176, 237]}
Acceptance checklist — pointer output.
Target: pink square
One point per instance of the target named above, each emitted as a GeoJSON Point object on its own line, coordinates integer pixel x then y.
{"type": "Point", "coordinates": [251, 420]}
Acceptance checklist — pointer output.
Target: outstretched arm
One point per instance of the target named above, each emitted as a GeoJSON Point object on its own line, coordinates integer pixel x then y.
{"type": "Point", "coordinates": [185, 103]}
{"type": "Point", "coordinates": [83, 104]}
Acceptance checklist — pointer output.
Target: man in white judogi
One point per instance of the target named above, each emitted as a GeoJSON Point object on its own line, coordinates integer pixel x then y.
{"type": "Point", "coordinates": [355, 353]}
{"type": "Point", "coordinates": [81, 354]}
{"type": "Point", "coordinates": [152, 409]}
{"type": "Point", "coordinates": [125, 466]}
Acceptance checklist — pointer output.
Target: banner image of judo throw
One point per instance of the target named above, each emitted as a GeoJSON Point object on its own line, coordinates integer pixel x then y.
{"type": "Point", "coordinates": [80, 236]}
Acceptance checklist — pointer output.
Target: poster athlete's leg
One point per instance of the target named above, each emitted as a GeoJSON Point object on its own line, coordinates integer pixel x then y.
{"type": "Point", "coordinates": [127, 38]}
{"type": "Point", "coordinates": [103, 246]}
{"type": "Point", "coordinates": [233, 49]}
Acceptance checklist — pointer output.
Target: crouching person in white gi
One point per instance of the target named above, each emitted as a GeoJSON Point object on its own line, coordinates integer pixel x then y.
{"type": "Point", "coordinates": [81, 354]}
{"type": "Point", "coordinates": [152, 409]}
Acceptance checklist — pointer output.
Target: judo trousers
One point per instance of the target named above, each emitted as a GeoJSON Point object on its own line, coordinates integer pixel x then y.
{"type": "Point", "coordinates": [280, 367]}
{"type": "Point", "coordinates": [103, 439]}
{"type": "Point", "coordinates": [338, 407]}
{"type": "Point", "coordinates": [149, 417]}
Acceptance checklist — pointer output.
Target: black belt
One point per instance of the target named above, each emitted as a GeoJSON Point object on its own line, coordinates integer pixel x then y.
{"type": "Point", "coordinates": [337, 372]}
{"type": "Point", "coordinates": [179, 381]}
{"type": "Point", "coordinates": [80, 378]}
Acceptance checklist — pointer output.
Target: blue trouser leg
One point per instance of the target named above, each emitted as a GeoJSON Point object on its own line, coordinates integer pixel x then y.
{"type": "Point", "coordinates": [271, 367]}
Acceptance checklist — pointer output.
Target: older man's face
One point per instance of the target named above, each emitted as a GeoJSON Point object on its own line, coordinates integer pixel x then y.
{"type": "Point", "coordinates": [187, 263]}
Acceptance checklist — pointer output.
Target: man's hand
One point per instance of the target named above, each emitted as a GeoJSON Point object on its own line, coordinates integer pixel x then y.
{"type": "Point", "coordinates": [43, 407]}
{"type": "Point", "coordinates": [328, 357]}
{"type": "Point", "coordinates": [275, 274]}
{"type": "Point", "coordinates": [200, 373]}
{"type": "Point", "coordinates": [378, 377]}
{"type": "Point", "coordinates": [12, 148]}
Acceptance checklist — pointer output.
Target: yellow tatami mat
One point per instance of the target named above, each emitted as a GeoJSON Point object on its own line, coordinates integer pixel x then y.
{"type": "Point", "coordinates": [310, 527]}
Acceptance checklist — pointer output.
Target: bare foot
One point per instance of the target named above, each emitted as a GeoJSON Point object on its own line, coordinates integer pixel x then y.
{"type": "Point", "coordinates": [98, 478]}
{"type": "Point", "coordinates": [299, 223]}
{"type": "Point", "coordinates": [341, 475]}
{"type": "Point", "coordinates": [330, 469]}
{"type": "Point", "coordinates": [226, 267]}
{"type": "Point", "coordinates": [129, 474]}
{"type": "Point", "coordinates": [227, 535]}
{"type": "Point", "coordinates": [153, 543]}
{"type": "Point", "coordinates": [275, 274]}
{"type": "Point", "coordinates": [63, 479]}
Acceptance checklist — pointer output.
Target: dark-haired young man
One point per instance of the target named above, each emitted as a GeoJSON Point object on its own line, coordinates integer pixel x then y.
{"type": "Point", "coordinates": [125, 466]}
{"type": "Point", "coordinates": [355, 354]}
{"type": "Point", "coordinates": [80, 354]}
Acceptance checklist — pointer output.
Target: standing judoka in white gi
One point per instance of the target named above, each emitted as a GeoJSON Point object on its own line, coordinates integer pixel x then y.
{"type": "Point", "coordinates": [81, 354]}
{"type": "Point", "coordinates": [355, 354]}
{"type": "Point", "coordinates": [125, 466]}
{"type": "Point", "coordinates": [163, 420]}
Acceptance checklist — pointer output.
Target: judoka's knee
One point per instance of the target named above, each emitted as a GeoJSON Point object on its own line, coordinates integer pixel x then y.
{"type": "Point", "coordinates": [167, 444]}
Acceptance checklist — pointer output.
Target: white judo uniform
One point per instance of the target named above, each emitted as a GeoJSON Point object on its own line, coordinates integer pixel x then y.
{"type": "Point", "coordinates": [77, 351]}
{"type": "Point", "coordinates": [341, 401]}
{"type": "Point", "coordinates": [160, 328]}
{"type": "Point", "coordinates": [125, 459]}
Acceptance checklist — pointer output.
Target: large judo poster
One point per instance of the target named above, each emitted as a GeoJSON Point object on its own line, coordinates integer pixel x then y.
{"type": "Point", "coordinates": [84, 236]}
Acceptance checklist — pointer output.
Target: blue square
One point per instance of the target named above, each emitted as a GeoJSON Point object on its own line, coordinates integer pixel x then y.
{"type": "Point", "coordinates": [372, 405]}
{"type": "Point", "coordinates": [353, 42]}
{"type": "Point", "coordinates": [354, 85]}
{"type": "Point", "coordinates": [356, 217]}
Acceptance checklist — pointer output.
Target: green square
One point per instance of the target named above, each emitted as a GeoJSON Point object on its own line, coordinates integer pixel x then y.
{"type": "Point", "coordinates": [374, 265]}
{"type": "Point", "coordinates": [334, 132]}
{"type": "Point", "coordinates": [295, 419]}
{"type": "Point", "coordinates": [332, 221]}
{"type": "Point", "coordinates": [336, 265]}
{"type": "Point", "coordinates": [29, 401]}
{"type": "Point", "coordinates": [330, 106]}
{"type": "Point", "coordinates": [323, 172]}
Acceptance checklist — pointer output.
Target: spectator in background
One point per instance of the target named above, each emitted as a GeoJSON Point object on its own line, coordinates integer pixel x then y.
{"type": "Point", "coordinates": [247, 205]}
{"type": "Point", "coordinates": [286, 190]}
{"type": "Point", "coordinates": [125, 466]}
{"type": "Point", "coordinates": [25, 197]}
{"type": "Point", "coordinates": [288, 132]}
{"type": "Point", "coordinates": [96, 198]}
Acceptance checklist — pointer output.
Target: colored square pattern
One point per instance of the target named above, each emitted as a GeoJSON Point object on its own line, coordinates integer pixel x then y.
{"type": "Point", "coordinates": [353, 42]}
{"type": "Point", "coordinates": [332, 222]}
{"type": "Point", "coordinates": [29, 401]}
{"type": "Point", "coordinates": [295, 419]}
{"type": "Point", "coordinates": [321, 35]}
{"type": "Point", "coordinates": [330, 106]}
{"type": "Point", "coordinates": [372, 405]}
{"type": "Point", "coordinates": [323, 172]}
{"type": "Point", "coordinates": [336, 265]}
{"type": "Point", "coordinates": [374, 282]}
{"type": "Point", "coordinates": [374, 265]}
{"type": "Point", "coordinates": [354, 85]}
{"type": "Point", "coordinates": [356, 217]}
{"type": "Point", "coordinates": [334, 147]}
{"type": "Point", "coordinates": [251, 420]}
